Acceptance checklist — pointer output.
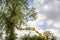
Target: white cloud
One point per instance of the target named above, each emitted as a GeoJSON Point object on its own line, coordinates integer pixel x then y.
{"type": "Point", "coordinates": [21, 33]}
{"type": "Point", "coordinates": [39, 21]}
{"type": "Point", "coordinates": [51, 10]}
{"type": "Point", "coordinates": [48, 12]}
{"type": "Point", "coordinates": [50, 22]}
{"type": "Point", "coordinates": [41, 1]}
{"type": "Point", "coordinates": [57, 25]}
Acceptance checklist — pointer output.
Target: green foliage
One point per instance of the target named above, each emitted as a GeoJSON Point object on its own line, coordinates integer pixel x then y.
{"type": "Point", "coordinates": [49, 35]}
{"type": "Point", "coordinates": [13, 12]}
{"type": "Point", "coordinates": [28, 37]}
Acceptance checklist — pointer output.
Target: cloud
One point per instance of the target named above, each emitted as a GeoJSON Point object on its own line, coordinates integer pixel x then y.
{"type": "Point", "coordinates": [48, 17]}
{"type": "Point", "coordinates": [50, 8]}
{"type": "Point", "coordinates": [49, 13]}
{"type": "Point", "coordinates": [38, 22]}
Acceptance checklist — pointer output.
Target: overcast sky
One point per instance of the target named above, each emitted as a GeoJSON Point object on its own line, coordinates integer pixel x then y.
{"type": "Point", "coordinates": [48, 16]}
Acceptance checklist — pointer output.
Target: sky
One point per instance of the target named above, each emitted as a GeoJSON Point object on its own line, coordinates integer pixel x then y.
{"type": "Point", "coordinates": [48, 16]}
{"type": "Point", "coordinates": [30, 3]}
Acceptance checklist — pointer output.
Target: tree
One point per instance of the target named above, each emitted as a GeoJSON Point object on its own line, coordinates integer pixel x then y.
{"type": "Point", "coordinates": [14, 13]}
{"type": "Point", "coordinates": [1, 35]}
{"type": "Point", "coordinates": [29, 37]}
{"type": "Point", "coordinates": [42, 37]}
{"type": "Point", "coordinates": [49, 35]}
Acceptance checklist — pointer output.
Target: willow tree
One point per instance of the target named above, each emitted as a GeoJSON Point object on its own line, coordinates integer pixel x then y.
{"type": "Point", "coordinates": [12, 13]}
